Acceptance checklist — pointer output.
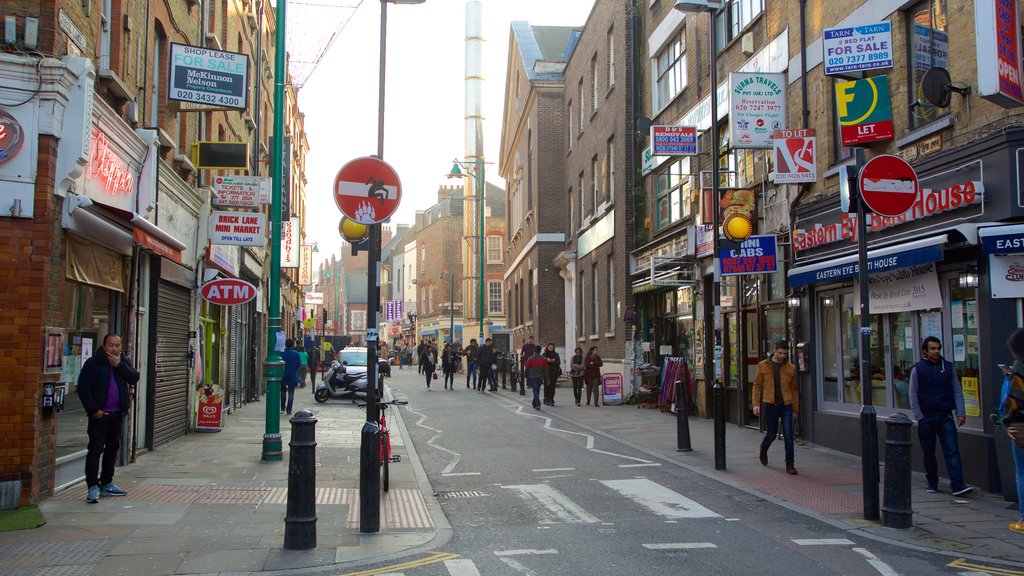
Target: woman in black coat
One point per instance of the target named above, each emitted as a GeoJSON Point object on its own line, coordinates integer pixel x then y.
{"type": "Point", "coordinates": [449, 365]}
{"type": "Point", "coordinates": [428, 362]}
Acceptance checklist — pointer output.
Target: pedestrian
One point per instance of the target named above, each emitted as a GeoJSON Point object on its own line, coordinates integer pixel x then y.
{"type": "Point", "coordinates": [449, 365]}
{"type": "Point", "coordinates": [484, 359]}
{"type": "Point", "coordinates": [428, 363]}
{"type": "Point", "coordinates": [554, 371]}
{"type": "Point", "coordinates": [459, 353]}
{"type": "Point", "coordinates": [526, 351]}
{"type": "Point", "coordinates": [419, 354]}
{"type": "Point", "coordinates": [775, 386]}
{"type": "Point", "coordinates": [935, 395]}
{"type": "Point", "coordinates": [576, 373]}
{"type": "Point", "coordinates": [536, 370]}
{"type": "Point", "coordinates": [1015, 425]}
{"type": "Point", "coordinates": [290, 380]}
{"type": "Point", "coordinates": [105, 386]}
{"type": "Point", "coordinates": [313, 354]}
{"type": "Point", "coordinates": [471, 352]}
{"type": "Point", "coordinates": [303, 364]}
{"type": "Point", "coordinates": [592, 375]}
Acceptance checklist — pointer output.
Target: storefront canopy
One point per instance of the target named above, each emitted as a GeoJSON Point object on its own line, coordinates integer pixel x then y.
{"type": "Point", "coordinates": [880, 260]}
{"type": "Point", "coordinates": [1002, 239]}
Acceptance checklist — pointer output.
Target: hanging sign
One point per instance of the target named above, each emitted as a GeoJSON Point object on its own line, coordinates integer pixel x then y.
{"type": "Point", "coordinates": [209, 77]}
{"type": "Point", "coordinates": [314, 298]}
{"type": "Point", "coordinates": [290, 243]}
{"type": "Point", "coordinates": [757, 108]}
{"type": "Point", "coordinates": [12, 137]}
{"type": "Point", "coordinates": [237, 228]}
{"type": "Point", "coordinates": [1006, 275]}
{"type": "Point", "coordinates": [999, 57]}
{"type": "Point", "coordinates": [865, 114]}
{"type": "Point", "coordinates": [673, 140]}
{"type": "Point", "coordinates": [795, 156]}
{"type": "Point", "coordinates": [902, 290]}
{"type": "Point", "coordinates": [756, 255]}
{"type": "Point", "coordinates": [228, 291]}
{"type": "Point", "coordinates": [241, 191]}
{"type": "Point", "coordinates": [857, 48]}
{"type": "Point", "coordinates": [306, 265]}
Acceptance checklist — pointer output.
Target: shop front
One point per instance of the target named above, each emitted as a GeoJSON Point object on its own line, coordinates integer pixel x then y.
{"type": "Point", "coordinates": [928, 276]}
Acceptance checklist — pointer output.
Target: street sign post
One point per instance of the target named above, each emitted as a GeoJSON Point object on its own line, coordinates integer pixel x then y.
{"type": "Point", "coordinates": [888, 185]}
{"type": "Point", "coordinates": [367, 190]}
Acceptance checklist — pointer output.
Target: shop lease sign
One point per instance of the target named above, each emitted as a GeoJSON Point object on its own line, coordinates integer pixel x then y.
{"type": "Point", "coordinates": [209, 77]}
{"type": "Point", "coordinates": [757, 108]}
{"type": "Point", "coordinates": [865, 114]}
{"type": "Point", "coordinates": [237, 228]}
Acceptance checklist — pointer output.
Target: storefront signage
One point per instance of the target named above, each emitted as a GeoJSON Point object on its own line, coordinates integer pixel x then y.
{"type": "Point", "coordinates": [12, 137]}
{"type": "Point", "coordinates": [757, 108]}
{"type": "Point", "coordinates": [107, 169]}
{"type": "Point", "coordinates": [650, 162]}
{"type": "Point", "coordinates": [1002, 239]}
{"type": "Point", "coordinates": [673, 140]}
{"type": "Point", "coordinates": [240, 191]}
{"type": "Point", "coordinates": [306, 265]}
{"type": "Point", "coordinates": [394, 310]}
{"type": "Point", "coordinates": [928, 203]}
{"type": "Point", "coordinates": [882, 260]}
{"type": "Point", "coordinates": [999, 58]}
{"type": "Point", "coordinates": [227, 291]}
{"type": "Point", "coordinates": [865, 114]}
{"type": "Point", "coordinates": [795, 156]}
{"type": "Point", "coordinates": [705, 240]}
{"type": "Point", "coordinates": [210, 413]}
{"type": "Point", "coordinates": [210, 77]}
{"type": "Point", "coordinates": [756, 255]}
{"type": "Point", "coordinates": [612, 385]}
{"type": "Point", "coordinates": [1006, 276]}
{"type": "Point", "coordinates": [314, 298]}
{"type": "Point", "coordinates": [596, 235]}
{"type": "Point", "coordinates": [290, 243]}
{"type": "Point", "coordinates": [857, 48]}
{"type": "Point", "coordinates": [237, 228]}
{"type": "Point", "coordinates": [903, 290]}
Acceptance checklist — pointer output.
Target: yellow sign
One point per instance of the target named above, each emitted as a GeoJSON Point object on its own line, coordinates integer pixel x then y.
{"type": "Point", "coordinates": [308, 323]}
{"type": "Point", "coordinates": [972, 397]}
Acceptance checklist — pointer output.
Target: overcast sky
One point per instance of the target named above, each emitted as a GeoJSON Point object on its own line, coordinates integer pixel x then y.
{"type": "Point", "coordinates": [424, 115]}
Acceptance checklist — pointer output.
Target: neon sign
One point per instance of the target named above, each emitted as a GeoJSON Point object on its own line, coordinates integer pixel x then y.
{"type": "Point", "coordinates": [11, 137]}
{"type": "Point", "coordinates": [112, 173]}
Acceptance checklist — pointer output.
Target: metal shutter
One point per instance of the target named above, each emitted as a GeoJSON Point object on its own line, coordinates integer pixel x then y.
{"type": "Point", "coordinates": [170, 403]}
{"type": "Point", "coordinates": [232, 396]}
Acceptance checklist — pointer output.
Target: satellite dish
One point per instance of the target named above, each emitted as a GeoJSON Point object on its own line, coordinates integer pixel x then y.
{"type": "Point", "coordinates": [643, 125]}
{"type": "Point", "coordinates": [937, 89]}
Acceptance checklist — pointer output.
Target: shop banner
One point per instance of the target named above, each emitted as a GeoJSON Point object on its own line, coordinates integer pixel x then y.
{"type": "Point", "coordinates": [612, 388]}
{"type": "Point", "coordinates": [210, 414]}
{"type": "Point", "coordinates": [857, 48]}
{"type": "Point", "coordinates": [756, 255]}
{"type": "Point", "coordinates": [757, 107]}
{"type": "Point", "coordinates": [290, 243]}
{"type": "Point", "coordinates": [237, 228]}
{"type": "Point", "coordinates": [1006, 275]}
{"type": "Point", "coordinates": [902, 290]}
{"type": "Point", "coordinates": [306, 266]}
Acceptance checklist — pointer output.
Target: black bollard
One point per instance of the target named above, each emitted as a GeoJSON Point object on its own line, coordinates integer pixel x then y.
{"type": "Point", "coordinates": [719, 412]}
{"type": "Point", "coordinates": [682, 421]}
{"type": "Point", "coordinates": [369, 478]}
{"type": "Point", "coordinates": [300, 518]}
{"type": "Point", "coordinates": [869, 460]}
{"type": "Point", "coordinates": [897, 509]}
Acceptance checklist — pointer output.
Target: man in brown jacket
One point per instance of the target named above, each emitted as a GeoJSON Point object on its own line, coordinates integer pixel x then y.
{"type": "Point", "coordinates": [775, 385]}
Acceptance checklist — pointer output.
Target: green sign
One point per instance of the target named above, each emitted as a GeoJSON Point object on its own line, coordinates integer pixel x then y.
{"type": "Point", "coordinates": [865, 114]}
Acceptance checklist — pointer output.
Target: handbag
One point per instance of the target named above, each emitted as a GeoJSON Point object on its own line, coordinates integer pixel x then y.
{"type": "Point", "coordinates": [435, 375]}
{"type": "Point", "coordinates": [1011, 405]}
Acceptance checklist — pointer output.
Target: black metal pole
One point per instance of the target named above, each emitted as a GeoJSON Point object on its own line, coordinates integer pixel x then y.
{"type": "Point", "coordinates": [868, 417]}
{"type": "Point", "coordinates": [300, 518]}
{"type": "Point", "coordinates": [719, 392]}
{"type": "Point", "coordinates": [682, 421]}
{"type": "Point", "coordinates": [897, 511]}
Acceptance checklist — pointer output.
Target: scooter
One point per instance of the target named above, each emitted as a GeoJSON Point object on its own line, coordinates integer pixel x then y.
{"type": "Point", "coordinates": [335, 384]}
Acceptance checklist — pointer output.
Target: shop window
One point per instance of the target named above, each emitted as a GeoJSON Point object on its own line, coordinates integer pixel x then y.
{"type": "Point", "coordinates": [729, 291]}
{"type": "Point", "coordinates": [777, 281]}
{"type": "Point", "coordinates": [927, 48]}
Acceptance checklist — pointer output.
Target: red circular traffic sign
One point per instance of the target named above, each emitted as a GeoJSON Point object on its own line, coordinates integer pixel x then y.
{"type": "Point", "coordinates": [888, 185]}
{"type": "Point", "coordinates": [367, 190]}
{"type": "Point", "coordinates": [228, 291]}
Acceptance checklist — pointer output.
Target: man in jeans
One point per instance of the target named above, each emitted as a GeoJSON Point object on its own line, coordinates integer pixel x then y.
{"type": "Point", "coordinates": [775, 385]}
{"type": "Point", "coordinates": [536, 369]}
{"type": "Point", "coordinates": [935, 394]}
{"type": "Point", "coordinates": [470, 352]}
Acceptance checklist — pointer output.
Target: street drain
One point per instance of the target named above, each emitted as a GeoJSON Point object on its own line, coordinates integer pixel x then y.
{"type": "Point", "coordinates": [452, 495]}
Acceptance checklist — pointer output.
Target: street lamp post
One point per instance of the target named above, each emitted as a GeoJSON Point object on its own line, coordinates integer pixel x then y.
{"type": "Point", "coordinates": [451, 307]}
{"type": "Point", "coordinates": [477, 166]}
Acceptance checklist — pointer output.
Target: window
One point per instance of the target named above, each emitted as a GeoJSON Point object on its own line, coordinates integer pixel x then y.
{"type": "Point", "coordinates": [430, 298]}
{"type": "Point", "coordinates": [494, 302]}
{"type": "Point", "coordinates": [593, 85]}
{"type": "Point", "coordinates": [579, 103]}
{"type": "Point", "coordinates": [529, 170]}
{"type": "Point", "coordinates": [670, 69]}
{"type": "Point", "coordinates": [529, 295]}
{"type": "Point", "coordinates": [572, 212]}
{"type": "Point", "coordinates": [928, 48]}
{"type": "Point", "coordinates": [595, 178]}
{"type": "Point", "coordinates": [158, 55]}
{"type": "Point", "coordinates": [494, 250]}
{"type": "Point", "coordinates": [583, 304]}
{"type": "Point", "coordinates": [568, 124]}
{"type": "Point", "coordinates": [673, 193]}
{"type": "Point", "coordinates": [358, 320]}
{"type": "Point", "coordinates": [611, 58]}
{"type": "Point", "coordinates": [734, 16]}
{"type": "Point", "coordinates": [612, 304]}
{"type": "Point", "coordinates": [609, 183]}
{"type": "Point", "coordinates": [105, 41]}
{"type": "Point", "coordinates": [595, 300]}
{"type": "Point", "coordinates": [583, 202]}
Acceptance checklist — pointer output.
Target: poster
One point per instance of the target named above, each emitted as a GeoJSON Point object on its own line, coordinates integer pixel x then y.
{"type": "Point", "coordinates": [959, 348]}
{"type": "Point", "coordinates": [210, 413]}
{"type": "Point", "coordinates": [903, 290]}
{"type": "Point", "coordinates": [972, 396]}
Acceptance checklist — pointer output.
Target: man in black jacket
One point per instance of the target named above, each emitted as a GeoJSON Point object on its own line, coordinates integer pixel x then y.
{"type": "Point", "coordinates": [485, 357]}
{"type": "Point", "coordinates": [105, 385]}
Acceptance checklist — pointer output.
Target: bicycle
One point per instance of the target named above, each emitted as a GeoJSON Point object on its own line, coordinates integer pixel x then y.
{"type": "Point", "coordinates": [385, 455]}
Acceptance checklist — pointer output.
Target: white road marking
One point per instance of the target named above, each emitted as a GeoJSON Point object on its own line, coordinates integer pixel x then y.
{"type": "Point", "coordinates": [526, 552]}
{"type": "Point", "coordinates": [883, 568]}
{"type": "Point", "coordinates": [679, 545]}
{"type": "Point", "coordinates": [553, 469]}
{"type": "Point", "coordinates": [590, 439]}
{"type": "Point", "coordinates": [459, 473]}
{"type": "Point", "coordinates": [437, 434]}
{"type": "Point", "coordinates": [823, 542]}
{"type": "Point", "coordinates": [512, 563]}
{"type": "Point", "coordinates": [658, 499]}
{"type": "Point", "coordinates": [639, 465]}
{"type": "Point", "coordinates": [461, 567]}
{"type": "Point", "coordinates": [552, 506]}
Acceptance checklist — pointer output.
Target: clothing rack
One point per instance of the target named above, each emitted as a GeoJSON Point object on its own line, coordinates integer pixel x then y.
{"type": "Point", "coordinates": [675, 368]}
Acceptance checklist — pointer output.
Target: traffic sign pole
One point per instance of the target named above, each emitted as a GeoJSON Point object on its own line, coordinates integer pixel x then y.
{"type": "Point", "coordinates": [868, 417]}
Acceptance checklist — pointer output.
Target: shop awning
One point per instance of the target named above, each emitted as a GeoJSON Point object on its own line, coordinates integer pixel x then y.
{"type": "Point", "coordinates": [143, 232]}
{"type": "Point", "coordinates": [879, 260]}
{"type": "Point", "coordinates": [1002, 239]}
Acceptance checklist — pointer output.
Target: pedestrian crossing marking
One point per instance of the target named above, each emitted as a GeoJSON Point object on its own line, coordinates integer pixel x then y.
{"type": "Point", "coordinates": [525, 552]}
{"type": "Point", "coordinates": [553, 470]}
{"type": "Point", "coordinates": [461, 567]}
{"type": "Point", "coordinates": [553, 506]}
{"type": "Point", "coordinates": [994, 570]}
{"type": "Point", "coordinates": [823, 542]}
{"type": "Point", "coordinates": [679, 545]}
{"type": "Point", "coordinates": [658, 499]}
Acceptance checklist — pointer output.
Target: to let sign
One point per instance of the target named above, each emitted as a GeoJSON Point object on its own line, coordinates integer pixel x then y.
{"type": "Point", "coordinates": [237, 228]}
{"type": "Point", "coordinates": [857, 48]}
{"type": "Point", "coordinates": [795, 156]}
{"type": "Point", "coordinates": [865, 114]}
{"type": "Point", "coordinates": [888, 185]}
{"type": "Point", "coordinates": [673, 140]}
{"type": "Point", "coordinates": [999, 57]}
{"type": "Point", "coordinates": [228, 291]}
{"type": "Point", "coordinates": [756, 255]}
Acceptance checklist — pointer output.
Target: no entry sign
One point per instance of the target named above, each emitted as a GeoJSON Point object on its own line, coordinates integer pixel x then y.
{"type": "Point", "coordinates": [888, 185]}
{"type": "Point", "coordinates": [367, 190]}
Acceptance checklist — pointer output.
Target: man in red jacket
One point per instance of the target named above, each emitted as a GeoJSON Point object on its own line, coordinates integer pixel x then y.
{"type": "Point", "coordinates": [536, 371]}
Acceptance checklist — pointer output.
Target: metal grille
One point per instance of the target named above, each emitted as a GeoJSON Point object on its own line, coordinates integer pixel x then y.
{"type": "Point", "coordinates": [170, 403]}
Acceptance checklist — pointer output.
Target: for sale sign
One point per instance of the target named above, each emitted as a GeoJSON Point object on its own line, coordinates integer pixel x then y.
{"type": "Point", "coordinates": [673, 140]}
{"type": "Point", "coordinates": [757, 108]}
{"type": "Point", "coordinates": [857, 48]}
{"type": "Point", "coordinates": [865, 114]}
{"type": "Point", "coordinates": [795, 156]}
{"type": "Point", "coordinates": [210, 77]}
{"type": "Point", "coordinates": [237, 228]}
{"type": "Point", "coordinates": [241, 191]}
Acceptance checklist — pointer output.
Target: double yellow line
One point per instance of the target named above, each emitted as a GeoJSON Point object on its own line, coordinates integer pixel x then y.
{"type": "Point", "coordinates": [426, 561]}
{"type": "Point", "coordinates": [995, 570]}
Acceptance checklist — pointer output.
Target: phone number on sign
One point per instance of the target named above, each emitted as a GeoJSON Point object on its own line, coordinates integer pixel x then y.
{"type": "Point", "coordinates": [192, 96]}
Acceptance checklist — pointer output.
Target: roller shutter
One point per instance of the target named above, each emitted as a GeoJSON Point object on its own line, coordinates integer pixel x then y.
{"type": "Point", "coordinates": [170, 402]}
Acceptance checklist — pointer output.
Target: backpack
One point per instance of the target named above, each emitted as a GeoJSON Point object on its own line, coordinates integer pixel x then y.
{"type": "Point", "coordinates": [1011, 405]}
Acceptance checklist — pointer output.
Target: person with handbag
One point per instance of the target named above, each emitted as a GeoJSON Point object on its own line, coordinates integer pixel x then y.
{"type": "Point", "coordinates": [1012, 415]}
{"type": "Point", "coordinates": [428, 363]}
{"type": "Point", "coordinates": [449, 365]}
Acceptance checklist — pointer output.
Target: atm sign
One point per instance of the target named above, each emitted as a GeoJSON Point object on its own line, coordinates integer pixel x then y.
{"type": "Point", "coordinates": [865, 114]}
{"type": "Point", "coordinates": [228, 291]}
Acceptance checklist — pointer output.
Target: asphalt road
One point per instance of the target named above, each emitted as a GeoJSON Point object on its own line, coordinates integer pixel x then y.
{"type": "Point", "coordinates": [530, 493]}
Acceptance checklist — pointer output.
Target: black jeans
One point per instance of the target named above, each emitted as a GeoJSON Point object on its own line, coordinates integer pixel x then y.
{"type": "Point", "coordinates": [485, 377]}
{"type": "Point", "coordinates": [577, 388]}
{"type": "Point", "coordinates": [104, 439]}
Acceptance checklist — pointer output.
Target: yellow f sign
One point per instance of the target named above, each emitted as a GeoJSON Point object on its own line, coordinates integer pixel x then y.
{"type": "Point", "coordinates": [844, 95]}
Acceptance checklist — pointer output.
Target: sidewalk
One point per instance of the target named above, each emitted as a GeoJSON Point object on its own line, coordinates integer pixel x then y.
{"type": "Point", "coordinates": [828, 486]}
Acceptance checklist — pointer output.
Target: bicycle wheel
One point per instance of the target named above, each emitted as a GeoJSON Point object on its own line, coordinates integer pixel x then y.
{"type": "Point", "coordinates": [385, 448]}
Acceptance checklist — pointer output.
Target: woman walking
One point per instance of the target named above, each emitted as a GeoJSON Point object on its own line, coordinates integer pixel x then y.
{"type": "Point", "coordinates": [592, 375]}
{"type": "Point", "coordinates": [449, 365]}
{"type": "Point", "coordinates": [428, 362]}
{"type": "Point", "coordinates": [554, 371]}
{"type": "Point", "coordinates": [576, 373]}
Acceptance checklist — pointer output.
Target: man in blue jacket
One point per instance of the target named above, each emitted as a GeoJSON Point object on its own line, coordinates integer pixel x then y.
{"type": "Point", "coordinates": [105, 386]}
{"type": "Point", "coordinates": [935, 394]}
{"type": "Point", "coordinates": [290, 380]}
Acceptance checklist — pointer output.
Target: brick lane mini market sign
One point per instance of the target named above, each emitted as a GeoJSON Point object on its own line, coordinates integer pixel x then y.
{"type": "Point", "coordinates": [237, 228]}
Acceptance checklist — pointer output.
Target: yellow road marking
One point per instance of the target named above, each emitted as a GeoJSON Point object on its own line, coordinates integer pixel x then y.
{"type": "Point", "coordinates": [428, 560]}
{"type": "Point", "coordinates": [996, 570]}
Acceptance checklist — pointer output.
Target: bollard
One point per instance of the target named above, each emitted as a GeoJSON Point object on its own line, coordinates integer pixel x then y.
{"type": "Point", "coordinates": [719, 412]}
{"type": "Point", "coordinates": [300, 518]}
{"type": "Point", "coordinates": [503, 367]}
{"type": "Point", "coordinates": [897, 511]}
{"type": "Point", "coordinates": [369, 477]}
{"type": "Point", "coordinates": [682, 421]}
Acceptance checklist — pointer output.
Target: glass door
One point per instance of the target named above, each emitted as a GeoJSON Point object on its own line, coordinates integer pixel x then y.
{"type": "Point", "coordinates": [752, 355]}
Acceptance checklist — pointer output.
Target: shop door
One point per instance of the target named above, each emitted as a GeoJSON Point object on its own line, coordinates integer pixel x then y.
{"type": "Point", "coordinates": [170, 390]}
{"type": "Point", "coordinates": [751, 356]}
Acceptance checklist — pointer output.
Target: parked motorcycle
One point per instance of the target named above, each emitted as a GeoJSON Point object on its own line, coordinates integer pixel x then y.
{"type": "Point", "coordinates": [341, 384]}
